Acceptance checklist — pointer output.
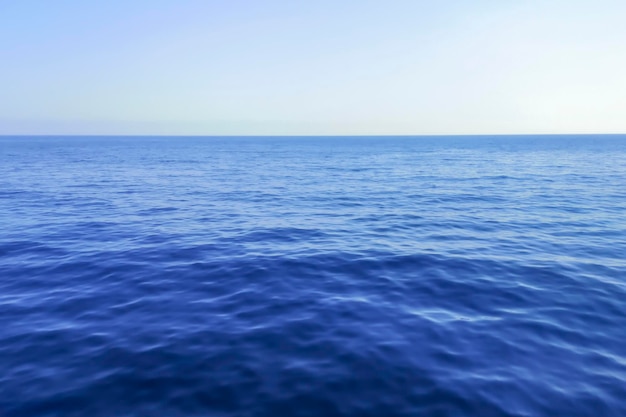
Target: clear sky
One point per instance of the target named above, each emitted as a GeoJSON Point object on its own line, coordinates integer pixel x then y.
{"type": "Point", "coordinates": [209, 67]}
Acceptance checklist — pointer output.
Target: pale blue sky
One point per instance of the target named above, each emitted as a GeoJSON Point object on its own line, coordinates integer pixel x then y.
{"type": "Point", "coordinates": [312, 67]}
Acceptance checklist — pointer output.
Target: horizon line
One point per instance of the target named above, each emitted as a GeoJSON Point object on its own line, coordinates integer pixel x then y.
{"type": "Point", "coordinates": [304, 135]}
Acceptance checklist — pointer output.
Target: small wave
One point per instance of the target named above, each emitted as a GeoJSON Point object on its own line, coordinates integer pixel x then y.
{"type": "Point", "coordinates": [312, 277]}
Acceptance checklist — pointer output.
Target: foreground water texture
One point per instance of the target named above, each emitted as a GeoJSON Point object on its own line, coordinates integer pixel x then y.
{"type": "Point", "coordinates": [441, 276]}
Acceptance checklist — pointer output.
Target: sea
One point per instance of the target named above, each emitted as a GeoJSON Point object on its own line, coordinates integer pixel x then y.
{"type": "Point", "coordinates": [436, 276]}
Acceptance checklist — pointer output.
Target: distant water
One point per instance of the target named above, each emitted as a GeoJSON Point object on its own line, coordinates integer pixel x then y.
{"type": "Point", "coordinates": [379, 276]}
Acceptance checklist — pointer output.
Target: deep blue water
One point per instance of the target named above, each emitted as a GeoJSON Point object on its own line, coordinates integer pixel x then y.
{"type": "Point", "coordinates": [432, 276]}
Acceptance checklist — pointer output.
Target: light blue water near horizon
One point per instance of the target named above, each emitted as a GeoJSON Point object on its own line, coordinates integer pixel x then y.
{"type": "Point", "coordinates": [313, 276]}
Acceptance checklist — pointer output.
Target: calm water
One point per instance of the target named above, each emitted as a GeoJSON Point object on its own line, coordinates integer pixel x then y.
{"type": "Point", "coordinates": [458, 276]}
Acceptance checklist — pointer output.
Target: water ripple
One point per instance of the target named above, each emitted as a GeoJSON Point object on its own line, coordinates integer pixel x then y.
{"type": "Point", "coordinates": [312, 277]}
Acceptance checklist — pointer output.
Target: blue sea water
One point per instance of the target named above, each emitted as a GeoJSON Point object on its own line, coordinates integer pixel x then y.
{"type": "Point", "coordinates": [313, 276]}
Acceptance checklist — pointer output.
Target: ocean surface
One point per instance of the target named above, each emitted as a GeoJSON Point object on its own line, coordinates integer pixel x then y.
{"type": "Point", "coordinates": [313, 276]}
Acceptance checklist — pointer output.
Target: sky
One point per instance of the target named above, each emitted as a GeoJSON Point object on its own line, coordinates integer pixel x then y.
{"type": "Point", "coordinates": [302, 67]}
